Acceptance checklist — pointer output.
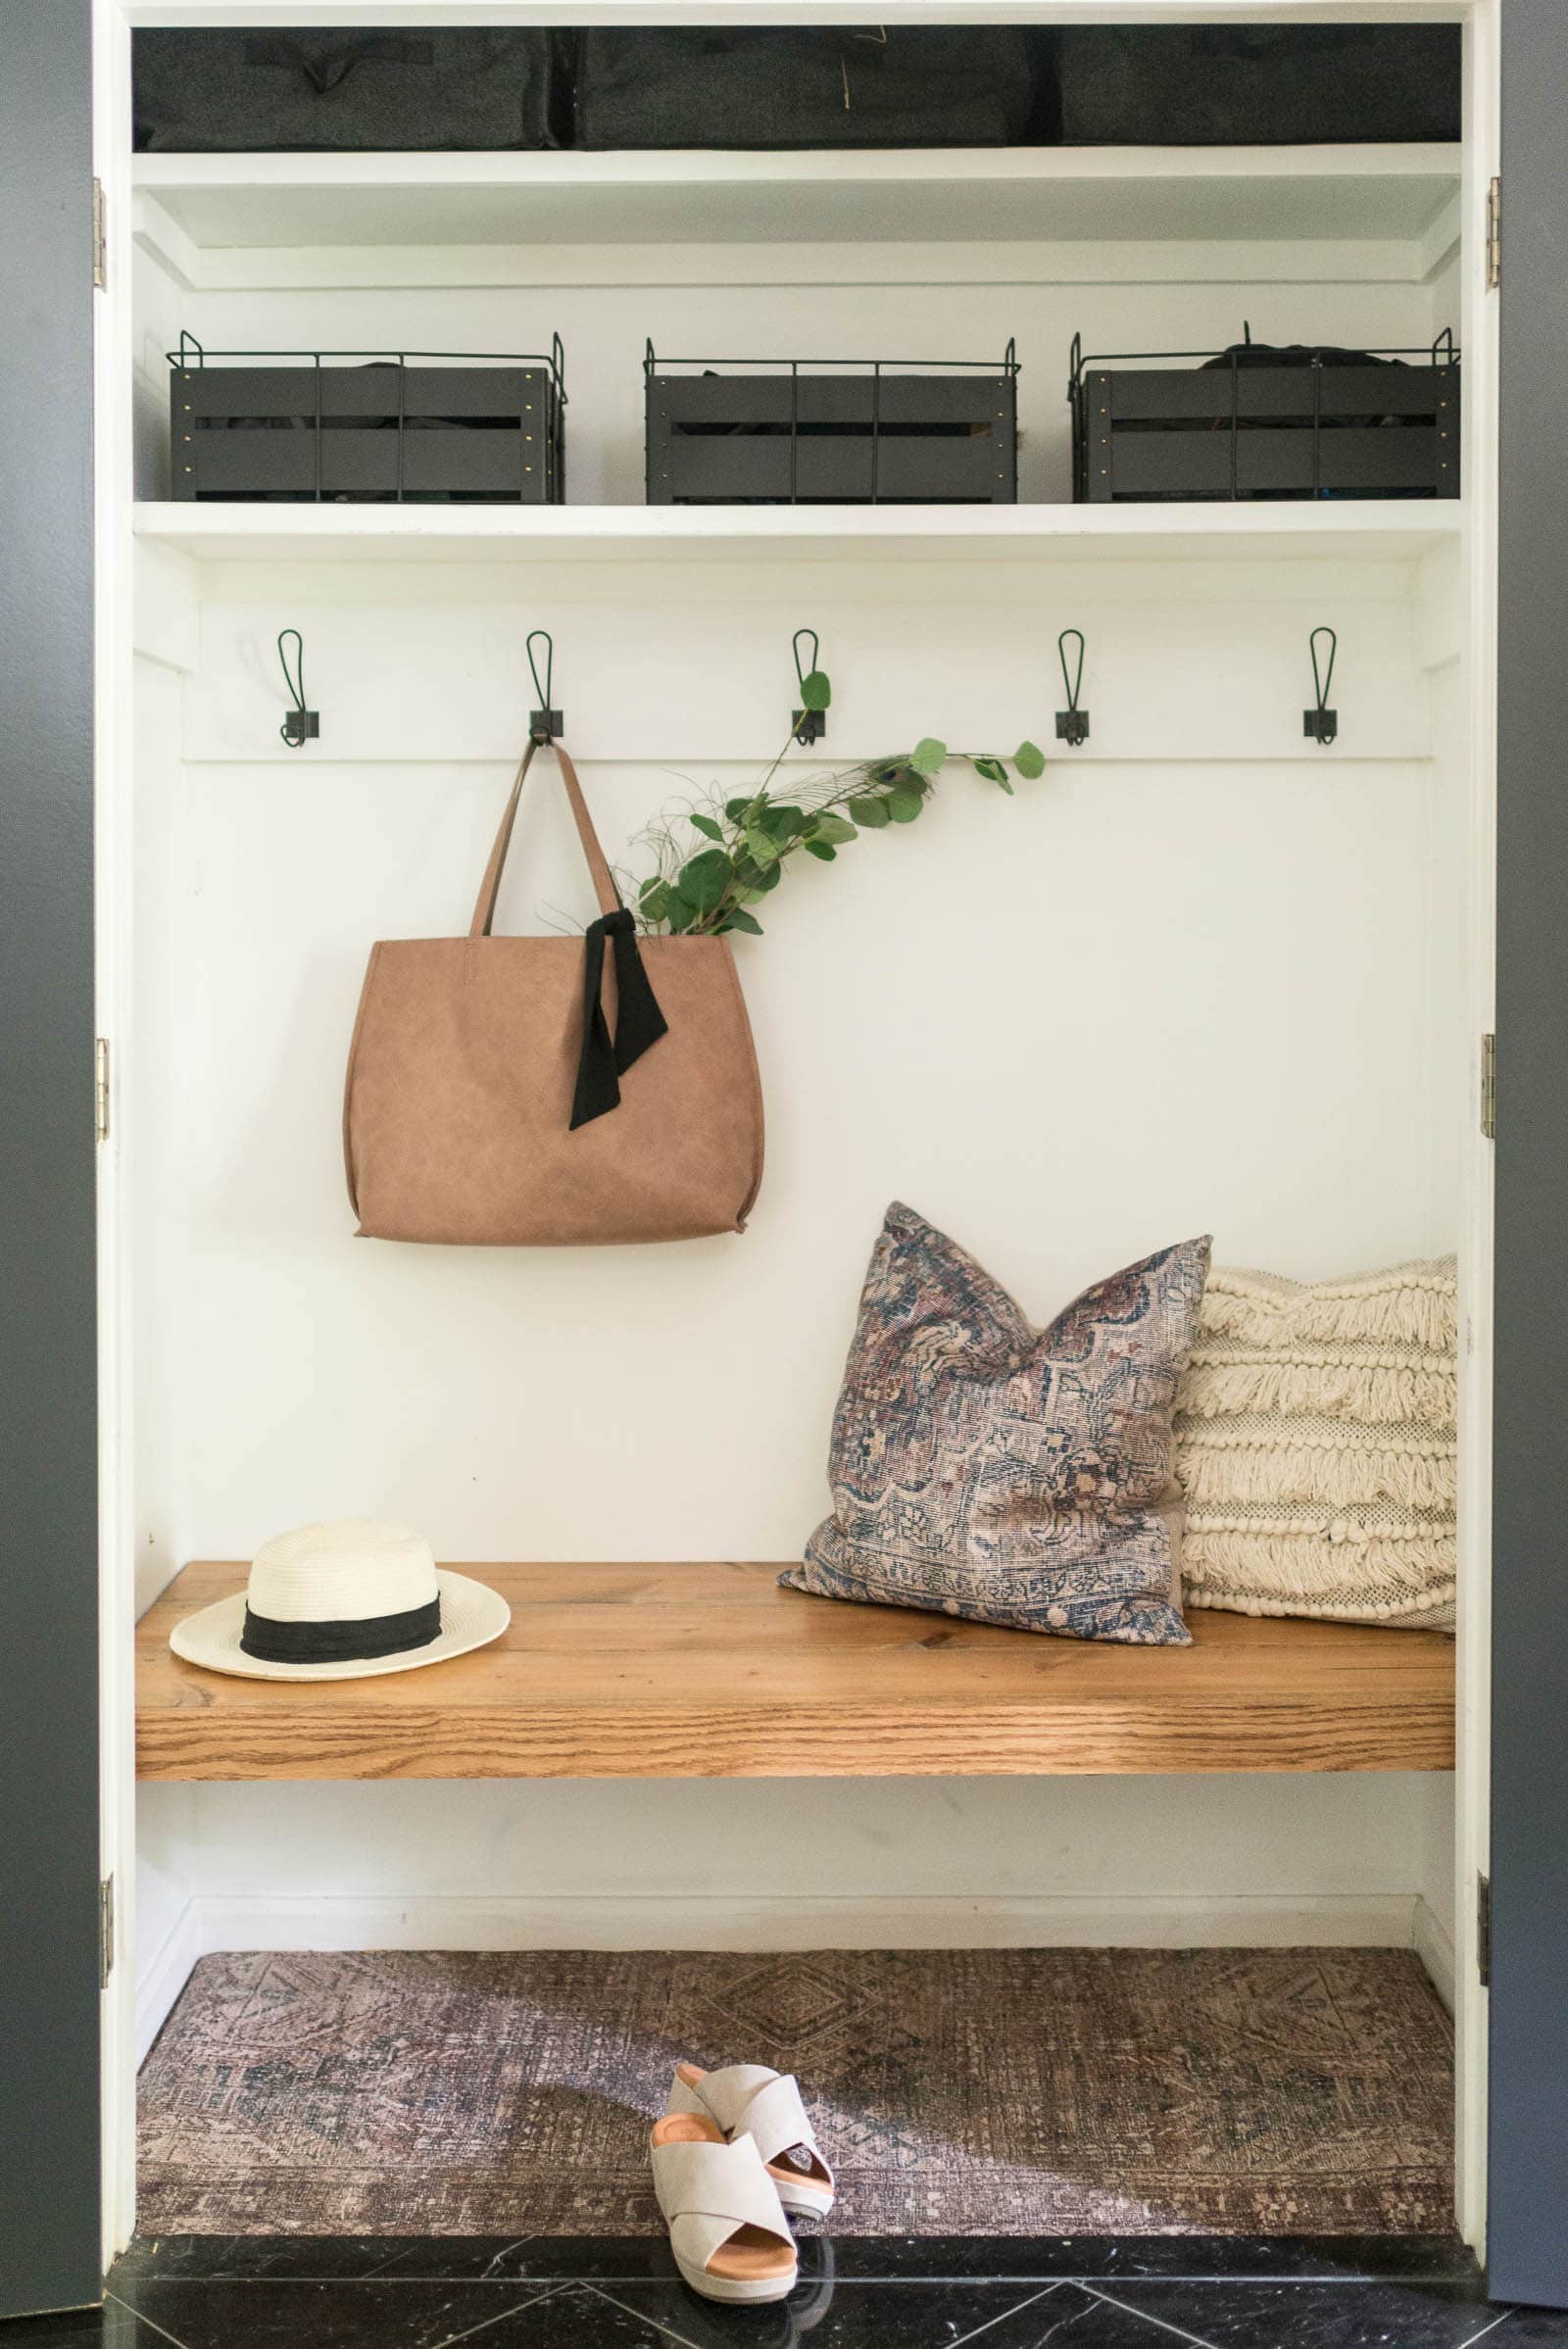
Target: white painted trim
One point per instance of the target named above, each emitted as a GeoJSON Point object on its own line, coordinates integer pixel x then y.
{"type": "Point", "coordinates": [1433, 1946]}
{"type": "Point", "coordinates": [783, 1921]}
{"type": "Point", "coordinates": [165, 1976]}
{"type": "Point", "coordinates": [1472, 1784]}
{"type": "Point", "coordinates": [251, 268]}
{"type": "Point", "coordinates": [113, 819]}
{"type": "Point", "coordinates": [1376, 531]}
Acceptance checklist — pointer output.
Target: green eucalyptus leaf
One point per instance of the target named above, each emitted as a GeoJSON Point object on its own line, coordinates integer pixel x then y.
{"type": "Point", "coordinates": [704, 879]}
{"type": "Point", "coordinates": [869, 814]}
{"type": "Point", "coordinates": [653, 901]}
{"type": "Point", "coordinates": [1029, 759]}
{"type": "Point", "coordinates": [905, 805]}
{"type": "Point", "coordinates": [707, 826]}
{"type": "Point", "coordinates": [992, 769]}
{"type": "Point", "coordinates": [831, 828]}
{"type": "Point", "coordinates": [734, 809]}
{"type": "Point", "coordinates": [782, 823]}
{"type": "Point", "coordinates": [762, 849]}
{"type": "Point", "coordinates": [820, 848]}
{"type": "Point", "coordinates": [928, 756]}
{"type": "Point", "coordinates": [815, 691]}
{"type": "Point", "coordinates": [742, 920]}
{"type": "Point", "coordinates": [678, 913]}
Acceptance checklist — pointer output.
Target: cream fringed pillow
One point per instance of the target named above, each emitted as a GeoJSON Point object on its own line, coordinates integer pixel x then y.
{"type": "Point", "coordinates": [1315, 1442]}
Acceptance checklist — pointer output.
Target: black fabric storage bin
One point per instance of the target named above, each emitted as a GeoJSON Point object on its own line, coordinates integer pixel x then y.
{"type": "Point", "coordinates": [935, 86]}
{"type": "Point", "coordinates": [226, 92]}
{"type": "Point", "coordinates": [1200, 86]}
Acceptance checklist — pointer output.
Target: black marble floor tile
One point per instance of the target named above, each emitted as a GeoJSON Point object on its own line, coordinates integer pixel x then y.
{"type": "Point", "coordinates": [111, 2327]}
{"type": "Point", "coordinates": [1045, 2258]}
{"type": "Point", "coordinates": [865, 2258]}
{"type": "Point", "coordinates": [1390, 2315]}
{"type": "Point", "coordinates": [579, 2317]}
{"type": "Point", "coordinates": [202, 2257]}
{"type": "Point", "coordinates": [1071, 2316]}
{"type": "Point", "coordinates": [829, 2314]}
{"type": "Point", "coordinates": [266, 2313]}
{"type": "Point", "coordinates": [1533, 2328]}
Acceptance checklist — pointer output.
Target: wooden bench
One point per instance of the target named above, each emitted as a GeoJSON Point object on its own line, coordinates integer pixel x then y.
{"type": "Point", "coordinates": [711, 1671]}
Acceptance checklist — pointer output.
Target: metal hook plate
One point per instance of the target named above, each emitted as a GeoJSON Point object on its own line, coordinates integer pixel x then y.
{"type": "Point", "coordinates": [1322, 724]}
{"type": "Point", "coordinates": [1072, 723]}
{"type": "Point", "coordinates": [300, 725]}
{"type": "Point", "coordinates": [806, 725]}
{"type": "Point", "coordinates": [545, 725]}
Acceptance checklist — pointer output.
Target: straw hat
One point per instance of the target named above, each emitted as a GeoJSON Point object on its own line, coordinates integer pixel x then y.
{"type": "Point", "coordinates": [331, 1602]}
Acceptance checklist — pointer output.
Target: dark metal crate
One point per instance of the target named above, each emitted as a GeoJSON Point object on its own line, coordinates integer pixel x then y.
{"type": "Point", "coordinates": [420, 428]}
{"type": "Point", "coordinates": [873, 435]}
{"type": "Point", "coordinates": [1291, 430]}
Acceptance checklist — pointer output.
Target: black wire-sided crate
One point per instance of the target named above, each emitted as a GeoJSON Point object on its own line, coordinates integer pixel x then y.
{"type": "Point", "coordinates": [420, 427]}
{"type": "Point", "coordinates": [1250, 425]}
{"type": "Point", "coordinates": [872, 433]}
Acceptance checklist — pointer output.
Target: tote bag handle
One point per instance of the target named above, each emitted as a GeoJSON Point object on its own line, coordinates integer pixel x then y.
{"type": "Point", "coordinates": [604, 888]}
{"type": "Point", "coordinates": [639, 1022]}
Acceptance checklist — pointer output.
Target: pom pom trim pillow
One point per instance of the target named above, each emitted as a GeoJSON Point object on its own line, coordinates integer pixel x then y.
{"type": "Point", "coordinates": [980, 1468]}
{"type": "Point", "coordinates": [1316, 1443]}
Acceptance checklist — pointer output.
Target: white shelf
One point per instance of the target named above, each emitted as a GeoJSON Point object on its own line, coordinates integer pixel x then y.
{"type": "Point", "coordinates": [891, 196]}
{"type": "Point", "coordinates": [1376, 531]}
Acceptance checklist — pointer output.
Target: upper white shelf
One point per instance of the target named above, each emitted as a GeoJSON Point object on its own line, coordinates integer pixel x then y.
{"type": "Point", "coordinates": [889, 196]}
{"type": "Point", "coordinates": [1375, 530]}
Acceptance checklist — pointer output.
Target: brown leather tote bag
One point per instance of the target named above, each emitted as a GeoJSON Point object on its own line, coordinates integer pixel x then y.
{"type": "Point", "coordinates": [541, 1093]}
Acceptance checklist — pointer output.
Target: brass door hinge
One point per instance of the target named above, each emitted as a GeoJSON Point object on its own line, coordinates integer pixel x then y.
{"type": "Point", "coordinates": [106, 1932]}
{"type": "Point", "coordinates": [1489, 1087]}
{"type": "Point", "coordinates": [1483, 1929]}
{"type": "Point", "coordinates": [1494, 236]}
{"type": "Point", "coordinates": [100, 236]}
{"type": "Point", "coordinates": [100, 1086]}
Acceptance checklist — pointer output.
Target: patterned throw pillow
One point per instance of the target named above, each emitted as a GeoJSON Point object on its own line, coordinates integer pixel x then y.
{"type": "Point", "coordinates": [1316, 1444]}
{"type": "Point", "coordinates": [981, 1468]}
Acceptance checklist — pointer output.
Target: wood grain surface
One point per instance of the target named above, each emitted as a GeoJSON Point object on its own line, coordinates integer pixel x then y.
{"type": "Point", "coordinates": [713, 1671]}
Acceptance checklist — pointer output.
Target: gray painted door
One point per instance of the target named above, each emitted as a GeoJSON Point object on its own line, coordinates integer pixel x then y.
{"type": "Point", "coordinates": [49, 2175]}
{"type": "Point", "coordinates": [1529, 2153]}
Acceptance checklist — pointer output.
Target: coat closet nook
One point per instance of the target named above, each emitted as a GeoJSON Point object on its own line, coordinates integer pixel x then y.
{"type": "Point", "coordinates": [1207, 974]}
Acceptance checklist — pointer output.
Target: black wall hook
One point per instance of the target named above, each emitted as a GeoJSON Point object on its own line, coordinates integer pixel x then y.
{"type": "Point", "coordinates": [545, 722]}
{"type": "Point", "coordinates": [1072, 723]}
{"type": "Point", "coordinates": [1322, 724]}
{"type": "Point", "coordinates": [301, 726]}
{"type": "Point", "coordinates": [809, 721]}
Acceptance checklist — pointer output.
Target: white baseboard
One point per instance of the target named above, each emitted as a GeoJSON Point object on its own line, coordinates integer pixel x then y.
{"type": "Point", "coordinates": [713, 1920]}
{"type": "Point", "coordinates": [160, 1980]}
{"type": "Point", "coordinates": [1433, 1946]}
{"type": "Point", "coordinates": [213, 1921]}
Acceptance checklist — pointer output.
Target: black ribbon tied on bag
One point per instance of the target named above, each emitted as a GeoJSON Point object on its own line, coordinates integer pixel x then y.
{"type": "Point", "coordinates": [639, 1022]}
{"type": "Point", "coordinates": [273, 1641]}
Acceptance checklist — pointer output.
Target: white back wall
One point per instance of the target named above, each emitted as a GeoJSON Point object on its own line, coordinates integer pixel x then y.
{"type": "Point", "coordinates": [1139, 1000]}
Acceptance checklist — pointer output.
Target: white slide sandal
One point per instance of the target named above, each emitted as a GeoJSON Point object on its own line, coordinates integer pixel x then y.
{"type": "Point", "coordinates": [729, 2235]}
{"type": "Point", "coordinates": [750, 2099]}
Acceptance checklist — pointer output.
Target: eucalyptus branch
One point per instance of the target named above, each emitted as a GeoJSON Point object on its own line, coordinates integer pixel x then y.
{"type": "Point", "coordinates": [745, 840]}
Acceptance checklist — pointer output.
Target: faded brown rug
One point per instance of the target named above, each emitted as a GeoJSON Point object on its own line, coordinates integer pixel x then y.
{"type": "Point", "coordinates": [985, 2092]}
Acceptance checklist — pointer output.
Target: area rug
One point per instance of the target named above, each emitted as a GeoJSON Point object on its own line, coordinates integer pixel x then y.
{"type": "Point", "coordinates": [983, 2092]}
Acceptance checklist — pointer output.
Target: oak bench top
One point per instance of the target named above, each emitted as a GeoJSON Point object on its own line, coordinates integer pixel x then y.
{"type": "Point", "coordinates": [713, 1671]}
